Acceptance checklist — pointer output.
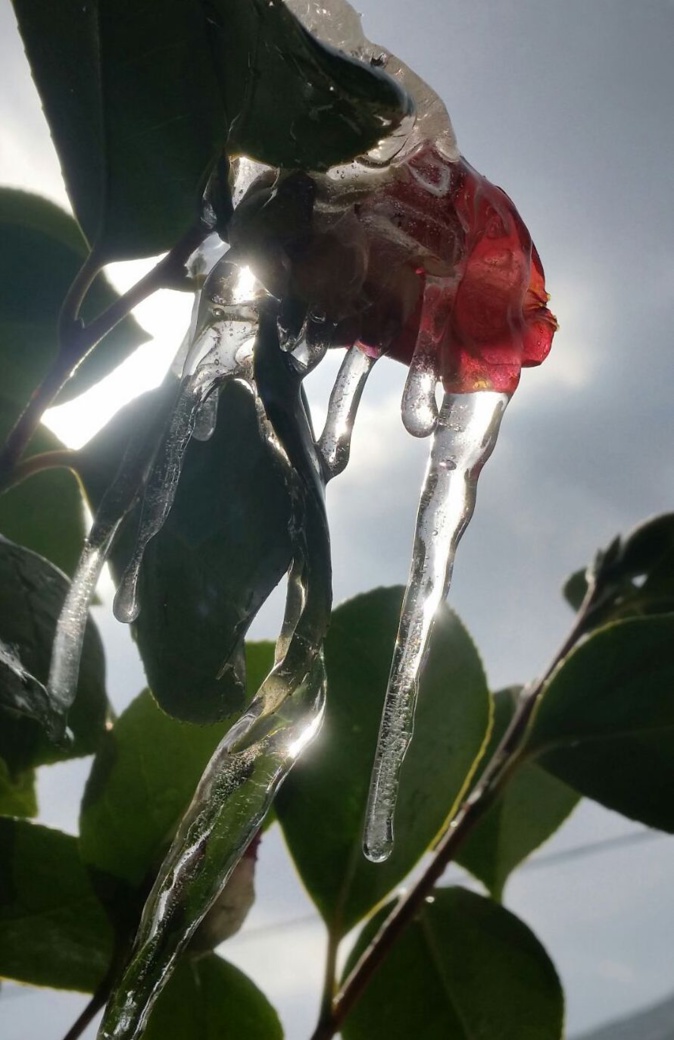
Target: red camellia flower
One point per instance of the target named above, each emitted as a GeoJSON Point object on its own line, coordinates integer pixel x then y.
{"type": "Point", "coordinates": [480, 298]}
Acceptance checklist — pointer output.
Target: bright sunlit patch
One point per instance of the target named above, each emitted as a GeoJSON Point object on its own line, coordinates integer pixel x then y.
{"type": "Point", "coordinates": [165, 316]}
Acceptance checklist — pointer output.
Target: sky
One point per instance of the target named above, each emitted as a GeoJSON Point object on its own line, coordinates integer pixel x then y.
{"type": "Point", "coordinates": [566, 104]}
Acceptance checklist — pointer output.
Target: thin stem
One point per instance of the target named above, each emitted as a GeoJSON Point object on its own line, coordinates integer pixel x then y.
{"type": "Point", "coordinates": [77, 341]}
{"type": "Point", "coordinates": [90, 1011]}
{"type": "Point", "coordinates": [330, 977]}
{"type": "Point", "coordinates": [505, 759]}
{"type": "Point", "coordinates": [64, 458]}
{"type": "Point", "coordinates": [70, 308]}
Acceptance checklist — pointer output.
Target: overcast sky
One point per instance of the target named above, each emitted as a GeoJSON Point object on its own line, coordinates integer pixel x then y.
{"type": "Point", "coordinates": [569, 106]}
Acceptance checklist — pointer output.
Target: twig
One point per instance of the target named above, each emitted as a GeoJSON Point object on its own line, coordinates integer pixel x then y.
{"type": "Point", "coordinates": [504, 760]}
{"type": "Point", "coordinates": [76, 341]}
{"type": "Point", "coordinates": [64, 458]}
{"type": "Point", "coordinates": [90, 1011]}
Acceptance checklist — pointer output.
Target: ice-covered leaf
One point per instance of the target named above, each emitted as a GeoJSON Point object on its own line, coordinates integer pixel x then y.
{"type": "Point", "coordinates": [223, 548]}
{"type": "Point", "coordinates": [42, 251]}
{"type": "Point", "coordinates": [53, 930]}
{"type": "Point", "coordinates": [17, 792]}
{"type": "Point", "coordinates": [141, 782]}
{"type": "Point", "coordinates": [207, 997]}
{"type": "Point", "coordinates": [529, 811]}
{"type": "Point", "coordinates": [140, 102]}
{"type": "Point", "coordinates": [32, 591]}
{"type": "Point", "coordinates": [46, 513]}
{"type": "Point", "coordinates": [605, 725]}
{"type": "Point", "coordinates": [466, 969]}
{"type": "Point", "coordinates": [322, 805]}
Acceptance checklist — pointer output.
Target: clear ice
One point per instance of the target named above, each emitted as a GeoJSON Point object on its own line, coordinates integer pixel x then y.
{"type": "Point", "coordinates": [464, 438]}
{"type": "Point", "coordinates": [335, 440]}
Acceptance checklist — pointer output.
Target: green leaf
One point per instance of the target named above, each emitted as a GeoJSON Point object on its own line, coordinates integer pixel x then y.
{"type": "Point", "coordinates": [224, 547]}
{"type": "Point", "coordinates": [53, 930]}
{"type": "Point", "coordinates": [46, 512]}
{"type": "Point", "coordinates": [140, 784]}
{"type": "Point", "coordinates": [527, 813]}
{"type": "Point", "coordinates": [42, 251]}
{"type": "Point", "coordinates": [634, 575]}
{"type": "Point", "coordinates": [605, 725]}
{"type": "Point", "coordinates": [466, 969]}
{"type": "Point", "coordinates": [208, 997]}
{"type": "Point", "coordinates": [17, 793]}
{"type": "Point", "coordinates": [322, 804]}
{"type": "Point", "coordinates": [141, 101]}
{"type": "Point", "coordinates": [32, 592]}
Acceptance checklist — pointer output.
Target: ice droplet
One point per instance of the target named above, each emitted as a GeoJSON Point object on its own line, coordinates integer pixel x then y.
{"type": "Point", "coordinates": [464, 438]}
{"type": "Point", "coordinates": [419, 407]}
{"type": "Point", "coordinates": [335, 440]}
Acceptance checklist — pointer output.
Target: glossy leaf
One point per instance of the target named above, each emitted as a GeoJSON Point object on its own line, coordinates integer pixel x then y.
{"type": "Point", "coordinates": [53, 930]}
{"type": "Point", "coordinates": [528, 812]}
{"type": "Point", "coordinates": [605, 725]}
{"type": "Point", "coordinates": [42, 251]}
{"type": "Point", "coordinates": [141, 782]}
{"type": "Point", "coordinates": [466, 969]}
{"type": "Point", "coordinates": [32, 591]}
{"type": "Point", "coordinates": [17, 792]}
{"type": "Point", "coordinates": [207, 997]}
{"type": "Point", "coordinates": [46, 513]}
{"type": "Point", "coordinates": [141, 101]}
{"type": "Point", "coordinates": [223, 548]}
{"type": "Point", "coordinates": [322, 804]}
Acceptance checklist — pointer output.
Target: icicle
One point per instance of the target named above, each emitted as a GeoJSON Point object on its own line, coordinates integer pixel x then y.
{"type": "Point", "coordinates": [115, 505]}
{"type": "Point", "coordinates": [465, 436]}
{"type": "Point", "coordinates": [419, 407]}
{"type": "Point", "coordinates": [335, 441]}
{"type": "Point", "coordinates": [163, 483]}
{"type": "Point", "coordinates": [67, 649]}
{"type": "Point", "coordinates": [228, 807]}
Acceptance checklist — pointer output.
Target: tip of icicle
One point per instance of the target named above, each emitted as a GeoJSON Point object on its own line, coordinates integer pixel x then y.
{"type": "Point", "coordinates": [378, 841]}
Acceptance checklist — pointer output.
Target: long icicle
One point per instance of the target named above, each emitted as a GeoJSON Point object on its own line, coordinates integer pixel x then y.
{"type": "Point", "coordinates": [465, 436]}
{"type": "Point", "coordinates": [257, 752]}
{"type": "Point", "coordinates": [115, 505]}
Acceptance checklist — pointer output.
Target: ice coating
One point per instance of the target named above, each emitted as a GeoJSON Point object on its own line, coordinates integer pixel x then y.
{"type": "Point", "coordinates": [243, 775]}
{"type": "Point", "coordinates": [464, 438]}
{"type": "Point", "coordinates": [228, 807]}
{"type": "Point", "coordinates": [337, 23]}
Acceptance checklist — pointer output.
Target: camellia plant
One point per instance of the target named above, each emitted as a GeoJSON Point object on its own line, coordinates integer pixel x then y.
{"type": "Point", "coordinates": [307, 187]}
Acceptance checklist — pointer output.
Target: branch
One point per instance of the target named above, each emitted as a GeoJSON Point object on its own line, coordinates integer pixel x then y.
{"type": "Point", "coordinates": [76, 340]}
{"type": "Point", "coordinates": [503, 762]}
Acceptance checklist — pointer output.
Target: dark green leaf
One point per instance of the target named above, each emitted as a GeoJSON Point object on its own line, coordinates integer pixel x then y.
{"type": "Point", "coordinates": [46, 512]}
{"type": "Point", "coordinates": [605, 725]}
{"type": "Point", "coordinates": [140, 784]}
{"type": "Point", "coordinates": [17, 793]}
{"type": "Point", "coordinates": [528, 812]}
{"type": "Point", "coordinates": [223, 548]}
{"type": "Point", "coordinates": [466, 969]}
{"type": "Point", "coordinates": [209, 998]}
{"type": "Point", "coordinates": [634, 575]}
{"type": "Point", "coordinates": [32, 592]}
{"type": "Point", "coordinates": [322, 804]}
{"type": "Point", "coordinates": [42, 251]}
{"type": "Point", "coordinates": [53, 930]}
{"type": "Point", "coordinates": [141, 101]}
